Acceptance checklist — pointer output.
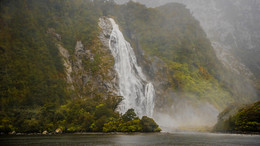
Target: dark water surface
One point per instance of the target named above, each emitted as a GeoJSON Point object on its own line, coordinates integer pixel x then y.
{"type": "Point", "coordinates": [132, 139]}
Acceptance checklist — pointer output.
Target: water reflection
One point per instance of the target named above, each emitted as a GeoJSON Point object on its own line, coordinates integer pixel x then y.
{"type": "Point", "coordinates": [179, 138]}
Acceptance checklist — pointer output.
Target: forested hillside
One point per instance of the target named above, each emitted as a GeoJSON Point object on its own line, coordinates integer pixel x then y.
{"type": "Point", "coordinates": [55, 72]}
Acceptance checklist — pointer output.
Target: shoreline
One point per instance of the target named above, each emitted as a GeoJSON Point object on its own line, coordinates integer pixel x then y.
{"type": "Point", "coordinates": [76, 133]}
{"type": "Point", "coordinates": [122, 133]}
{"type": "Point", "coordinates": [241, 133]}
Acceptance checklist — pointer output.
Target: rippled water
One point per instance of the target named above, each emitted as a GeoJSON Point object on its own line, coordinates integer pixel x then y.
{"type": "Point", "coordinates": [134, 139]}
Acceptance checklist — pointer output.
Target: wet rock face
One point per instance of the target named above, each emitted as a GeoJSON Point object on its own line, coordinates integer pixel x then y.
{"type": "Point", "coordinates": [80, 76]}
{"type": "Point", "coordinates": [106, 26]}
{"type": "Point", "coordinates": [106, 31]}
{"type": "Point", "coordinates": [54, 34]}
{"type": "Point", "coordinates": [83, 76]}
{"type": "Point", "coordinates": [79, 63]}
{"type": "Point", "coordinates": [65, 56]}
{"type": "Point", "coordinates": [104, 36]}
{"type": "Point", "coordinates": [67, 64]}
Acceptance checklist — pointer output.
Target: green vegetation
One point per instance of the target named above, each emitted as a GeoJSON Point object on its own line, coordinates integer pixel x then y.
{"type": "Point", "coordinates": [245, 119]}
{"type": "Point", "coordinates": [129, 122]}
{"type": "Point", "coordinates": [78, 116]}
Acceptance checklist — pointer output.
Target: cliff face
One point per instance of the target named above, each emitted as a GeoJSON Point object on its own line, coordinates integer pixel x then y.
{"type": "Point", "coordinates": [233, 29]}
{"type": "Point", "coordinates": [79, 75]}
{"type": "Point", "coordinates": [104, 36]}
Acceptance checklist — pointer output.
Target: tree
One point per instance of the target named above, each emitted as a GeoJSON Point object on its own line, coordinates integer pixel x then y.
{"type": "Point", "coordinates": [148, 125]}
{"type": "Point", "coordinates": [129, 115]}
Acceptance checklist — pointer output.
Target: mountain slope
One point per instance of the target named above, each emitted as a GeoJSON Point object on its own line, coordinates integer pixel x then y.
{"type": "Point", "coordinates": [185, 70]}
{"type": "Point", "coordinates": [232, 27]}
{"type": "Point", "coordinates": [57, 71]}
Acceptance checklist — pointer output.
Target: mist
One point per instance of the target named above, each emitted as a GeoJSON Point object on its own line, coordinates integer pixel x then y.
{"type": "Point", "coordinates": [186, 116]}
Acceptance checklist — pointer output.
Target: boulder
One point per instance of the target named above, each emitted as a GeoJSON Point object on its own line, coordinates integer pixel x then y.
{"type": "Point", "coordinates": [45, 132]}
{"type": "Point", "coordinates": [58, 131]}
{"type": "Point", "coordinates": [12, 133]}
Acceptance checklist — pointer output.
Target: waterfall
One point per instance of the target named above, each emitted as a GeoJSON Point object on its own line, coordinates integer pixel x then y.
{"type": "Point", "coordinates": [137, 92]}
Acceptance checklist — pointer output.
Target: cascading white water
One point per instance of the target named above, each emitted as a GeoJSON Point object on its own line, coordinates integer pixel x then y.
{"type": "Point", "coordinates": [136, 91]}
